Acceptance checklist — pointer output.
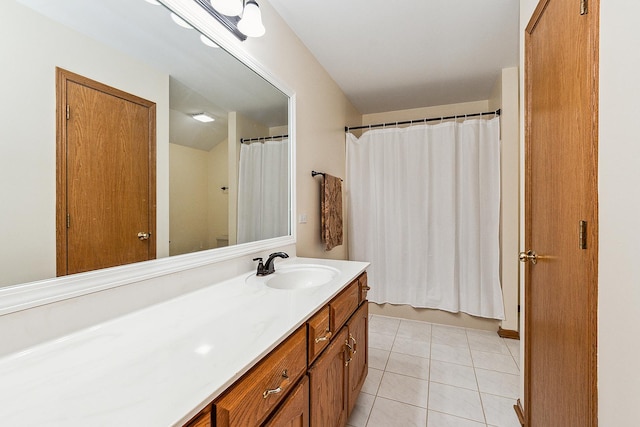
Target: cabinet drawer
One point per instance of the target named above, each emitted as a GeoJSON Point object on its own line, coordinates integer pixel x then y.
{"type": "Point", "coordinates": [363, 287]}
{"type": "Point", "coordinates": [319, 331]}
{"type": "Point", "coordinates": [344, 305]}
{"type": "Point", "coordinates": [294, 411]}
{"type": "Point", "coordinates": [252, 398]}
{"type": "Point", "coordinates": [203, 419]}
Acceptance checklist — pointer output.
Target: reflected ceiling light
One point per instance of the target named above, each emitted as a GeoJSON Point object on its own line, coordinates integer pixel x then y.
{"type": "Point", "coordinates": [251, 22]}
{"type": "Point", "coordinates": [228, 7]}
{"type": "Point", "coordinates": [203, 117]}
{"type": "Point", "coordinates": [180, 21]}
{"type": "Point", "coordinates": [203, 349]}
{"type": "Point", "coordinates": [206, 40]}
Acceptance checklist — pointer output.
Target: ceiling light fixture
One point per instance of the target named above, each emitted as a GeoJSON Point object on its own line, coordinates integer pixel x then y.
{"type": "Point", "coordinates": [242, 18]}
{"type": "Point", "coordinates": [251, 22]}
{"type": "Point", "coordinates": [180, 21]}
{"type": "Point", "coordinates": [228, 7]}
{"type": "Point", "coordinates": [203, 117]}
{"type": "Point", "coordinates": [207, 41]}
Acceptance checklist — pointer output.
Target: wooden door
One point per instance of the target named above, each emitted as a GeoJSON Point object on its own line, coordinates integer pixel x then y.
{"type": "Point", "coordinates": [294, 411]}
{"type": "Point", "coordinates": [106, 176]}
{"type": "Point", "coordinates": [561, 51]}
{"type": "Point", "coordinates": [328, 385]}
{"type": "Point", "coordinates": [359, 364]}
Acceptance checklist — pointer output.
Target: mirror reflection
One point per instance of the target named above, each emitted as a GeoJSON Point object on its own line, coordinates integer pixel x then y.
{"type": "Point", "coordinates": [211, 190]}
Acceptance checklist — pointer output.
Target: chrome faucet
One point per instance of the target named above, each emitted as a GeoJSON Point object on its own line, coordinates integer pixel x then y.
{"type": "Point", "coordinates": [268, 267]}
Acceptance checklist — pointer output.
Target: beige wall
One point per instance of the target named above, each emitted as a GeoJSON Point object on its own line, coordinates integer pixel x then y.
{"type": "Point", "coordinates": [31, 47]}
{"type": "Point", "coordinates": [322, 111]}
{"type": "Point", "coordinates": [218, 198]}
{"type": "Point", "coordinates": [510, 194]}
{"type": "Point", "coordinates": [189, 200]}
{"type": "Point", "coordinates": [619, 206]}
{"type": "Point", "coordinates": [198, 208]}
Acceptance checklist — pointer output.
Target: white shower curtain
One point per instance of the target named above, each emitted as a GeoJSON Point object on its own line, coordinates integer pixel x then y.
{"type": "Point", "coordinates": [263, 191]}
{"type": "Point", "coordinates": [424, 209]}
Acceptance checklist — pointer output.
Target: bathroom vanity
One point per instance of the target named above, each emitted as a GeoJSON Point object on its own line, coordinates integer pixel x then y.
{"type": "Point", "coordinates": [242, 352]}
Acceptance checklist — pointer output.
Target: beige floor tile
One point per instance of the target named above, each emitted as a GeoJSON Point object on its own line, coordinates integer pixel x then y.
{"type": "Point", "coordinates": [389, 413]}
{"type": "Point", "coordinates": [404, 389]}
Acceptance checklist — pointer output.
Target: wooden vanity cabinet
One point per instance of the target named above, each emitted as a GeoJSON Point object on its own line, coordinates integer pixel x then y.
{"type": "Point", "coordinates": [203, 419]}
{"type": "Point", "coordinates": [337, 376]}
{"type": "Point", "coordinates": [251, 399]}
{"type": "Point", "coordinates": [357, 368]}
{"type": "Point", "coordinates": [363, 287]}
{"type": "Point", "coordinates": [343, 305]}
{"type": "Point", "coordinates": [328, 384]}
{"type": "Point", "coordinates": [312, 379]}
{"type": "Point", "coordinates": [319, 333]}
{"type": "Point", "coordinates": [294, 411]}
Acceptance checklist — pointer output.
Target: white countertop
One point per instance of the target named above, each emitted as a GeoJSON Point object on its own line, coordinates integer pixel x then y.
{"type": "Point", "coordinates": [161, 365]}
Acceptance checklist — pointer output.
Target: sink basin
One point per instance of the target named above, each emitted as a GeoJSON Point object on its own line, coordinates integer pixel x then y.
{"type": "Point", "coordinates": [301, 276]}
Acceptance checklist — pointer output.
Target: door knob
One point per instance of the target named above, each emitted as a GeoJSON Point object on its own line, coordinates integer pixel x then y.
{"type": "Point", "coordinates": [143, 236]}
{"type": "Point", "coordinates": [529, 256]}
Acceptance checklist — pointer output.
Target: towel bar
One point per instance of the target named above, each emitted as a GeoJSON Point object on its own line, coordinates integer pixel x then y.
{"type": "Point", "coordinates": [314, 173]}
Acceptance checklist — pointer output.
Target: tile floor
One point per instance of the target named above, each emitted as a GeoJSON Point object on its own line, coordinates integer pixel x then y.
{"type": "Point", "coordinates": [428, 375]}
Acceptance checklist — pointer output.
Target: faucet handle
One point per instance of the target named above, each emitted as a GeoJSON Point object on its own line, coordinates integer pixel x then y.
{"type": "Point", "coordinates": [261, 271]}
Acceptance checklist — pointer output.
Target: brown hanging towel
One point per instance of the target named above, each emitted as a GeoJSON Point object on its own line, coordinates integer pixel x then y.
{"type": "Point", "coordinates": [331, 211]}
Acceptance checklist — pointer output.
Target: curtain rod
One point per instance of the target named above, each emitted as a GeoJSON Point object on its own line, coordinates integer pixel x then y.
{"type": "Point", "coordinates": [262, 138]}
{"type": "Point", "coordinates": [430, 119]}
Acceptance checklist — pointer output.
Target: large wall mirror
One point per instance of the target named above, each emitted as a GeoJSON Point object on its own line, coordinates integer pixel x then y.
{"type": "Point", "coordinates": [213, 193]}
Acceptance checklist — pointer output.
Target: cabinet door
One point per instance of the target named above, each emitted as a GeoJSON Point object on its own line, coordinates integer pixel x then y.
{"type": "Point", "coordinates": [358, 366]}
{"type": "Point", "coordinates": [294, 411]}
{"type": "Point", "coordinates": [328, 385]}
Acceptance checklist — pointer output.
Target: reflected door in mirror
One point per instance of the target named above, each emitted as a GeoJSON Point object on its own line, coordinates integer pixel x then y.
{"type": "Point", "coordinates": [105, 176]}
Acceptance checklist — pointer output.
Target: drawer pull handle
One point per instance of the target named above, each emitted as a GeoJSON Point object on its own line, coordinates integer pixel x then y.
{"type": "Point", "coordinates": [326, 337]}
{"type": "Point", "coordinates": [278, 389]}
{"type": "Point", "coordinates": [366, 288]}
{"type": "Point", "coordinates": [349, 351]}
{"type": "Point", "coordinates": [355, 349]}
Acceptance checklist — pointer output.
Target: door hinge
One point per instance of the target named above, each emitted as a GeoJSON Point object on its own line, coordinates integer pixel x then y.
{"type": "Point", "coordinates": [583, 235]}
{"type": "Point", "coordinates": [584, 7]}
{"type": "Point", "coordinates": [68, 221]}
{"type": "Point", "coordinates": [67, 111]}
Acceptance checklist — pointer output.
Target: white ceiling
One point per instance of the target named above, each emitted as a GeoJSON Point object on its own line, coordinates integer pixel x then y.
{"type": "Point", "coordinates": [392, 55]}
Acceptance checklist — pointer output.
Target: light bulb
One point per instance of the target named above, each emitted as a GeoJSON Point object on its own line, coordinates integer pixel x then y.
{"type": "Point", "coordinates": [206, 40]}
{"type": "Point", "coordinates": [228, 7]}
{"type": "Point", "coordinates": [251, 23]}
{"type": "Point", "coordinates": [181, 22]}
